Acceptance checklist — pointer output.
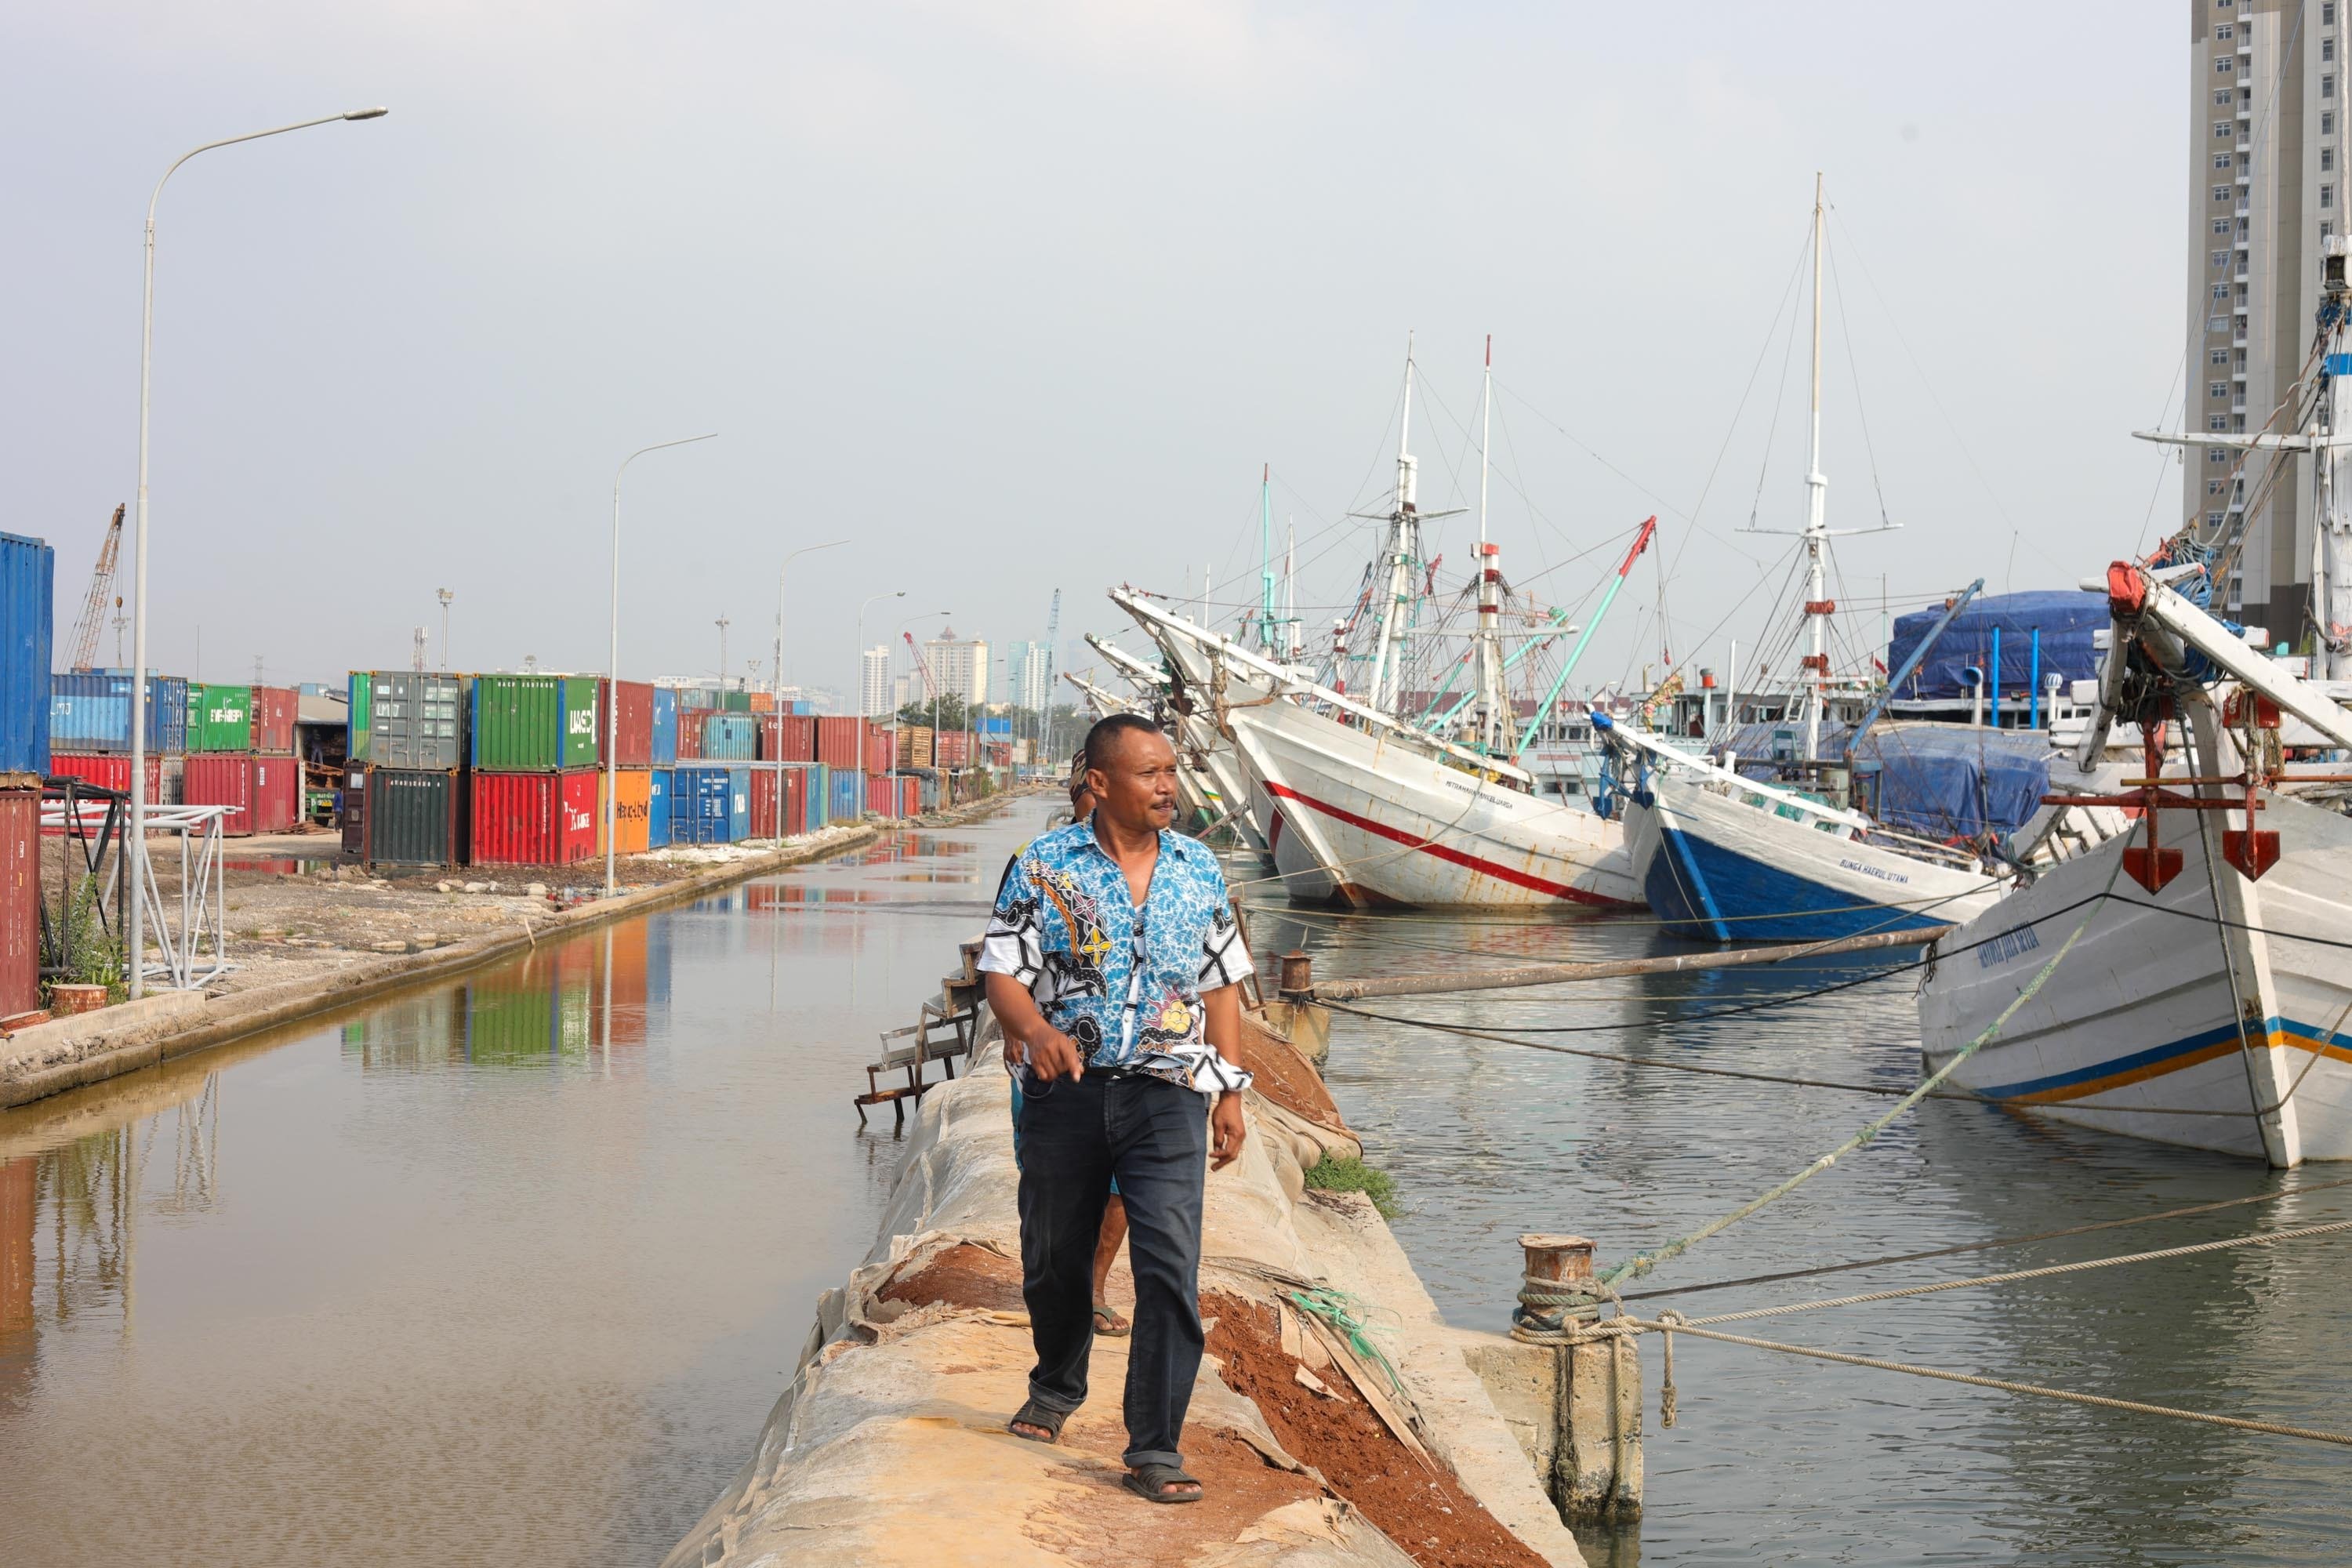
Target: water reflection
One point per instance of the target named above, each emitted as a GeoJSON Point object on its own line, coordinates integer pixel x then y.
{"type": "Point", "coordinates": [561, 1002]}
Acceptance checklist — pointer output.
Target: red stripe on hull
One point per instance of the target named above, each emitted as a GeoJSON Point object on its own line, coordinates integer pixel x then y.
{"type": "Point", "coordinates": [1527, 880]}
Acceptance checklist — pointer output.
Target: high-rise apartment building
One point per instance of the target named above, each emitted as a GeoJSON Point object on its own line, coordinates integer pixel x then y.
{"type": "Point", "coordinates": [1029, 672]}
{"type": "Point", "coordinates": [959, 667]}
{"type": "Point", "coordinates": [2266, 188]}
{"type": "Point", "coordinates": [873, 682]}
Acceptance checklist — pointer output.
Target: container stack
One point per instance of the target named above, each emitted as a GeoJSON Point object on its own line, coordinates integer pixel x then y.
{"type": "Point", "coordinates": [240, 755]}
{"type": "Point", "coordinates": [27, 567]}
{"type": "Point", "coordinates": [534, 795]}
{"type": "Point", "coordinates": [415, 792]}
{"type": "Point", "coordinates": [89, 731]}
{"type": "Point", "coordinates": [629, 751]}
{"type": "Point", "coordinates": [712, 805]}
{"type": "Point", "coordinates": [841, 747]}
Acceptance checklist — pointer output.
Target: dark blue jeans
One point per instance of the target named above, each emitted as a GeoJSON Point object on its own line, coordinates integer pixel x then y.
{"type": "Point", "coordinates": [1153, 1136]}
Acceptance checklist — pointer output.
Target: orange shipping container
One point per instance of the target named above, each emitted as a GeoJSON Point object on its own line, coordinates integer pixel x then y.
{"type": "Point", "coordinates": [632, 812]}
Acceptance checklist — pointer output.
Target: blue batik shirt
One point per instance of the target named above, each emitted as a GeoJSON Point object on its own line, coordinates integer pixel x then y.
{"type": "Point", "coordinates": [1128, 992]}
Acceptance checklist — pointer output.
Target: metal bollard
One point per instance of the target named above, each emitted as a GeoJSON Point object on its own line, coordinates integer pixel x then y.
{"type": "Point", "coordinates": [1296, 1012]}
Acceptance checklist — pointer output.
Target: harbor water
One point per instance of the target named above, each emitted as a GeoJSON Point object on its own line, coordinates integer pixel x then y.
{"type": "Point", "coordinates": [511, 1269]}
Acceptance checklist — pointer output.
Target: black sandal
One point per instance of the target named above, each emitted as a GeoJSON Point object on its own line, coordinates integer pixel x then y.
{"type": "Point", "coordinates": [1150, 1481]}
{"type": "Point", "coordinates": [1036, 1414]}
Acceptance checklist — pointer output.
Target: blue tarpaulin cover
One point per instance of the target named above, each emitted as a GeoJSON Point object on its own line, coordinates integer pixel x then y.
{"type": "Point", "coordinates": [2067, 620]}
{"type": "Point", "coordinates": [1937, 781]}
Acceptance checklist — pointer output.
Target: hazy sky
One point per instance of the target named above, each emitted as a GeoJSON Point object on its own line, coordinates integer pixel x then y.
{"type": "Point", "coordinates": [1018, 296]}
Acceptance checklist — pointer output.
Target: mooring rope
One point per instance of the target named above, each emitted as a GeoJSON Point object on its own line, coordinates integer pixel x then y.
{"type": "Point", "coordinates": [1987, 1245]}
{"type": "Point", "coordinates": [2275, 1429]}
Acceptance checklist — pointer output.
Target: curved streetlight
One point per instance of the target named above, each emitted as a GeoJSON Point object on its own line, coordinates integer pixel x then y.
{"type": "Point", "coordinates": [776, 676]}
{"type": "Point", "coordinates": [613, 659]}
{"type": "Point", "coordinates": [135, 932]}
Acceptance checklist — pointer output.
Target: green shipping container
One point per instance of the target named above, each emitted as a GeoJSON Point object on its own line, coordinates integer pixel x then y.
{"type": "Point", "coordinates": [362, 710]}
{"type": "Point", "coordinates": [735, 702]}
{"type": "Point", "coordinates": [534, 724]}
{"type": "Point", "coordinates": [220, 717]}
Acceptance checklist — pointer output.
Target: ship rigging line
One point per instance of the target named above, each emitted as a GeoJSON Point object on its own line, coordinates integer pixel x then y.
{"type": "Point", "coordinates": [2005, 1241]}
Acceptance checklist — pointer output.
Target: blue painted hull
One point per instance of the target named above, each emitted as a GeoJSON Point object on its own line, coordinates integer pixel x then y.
{"type": "Point", "coordinates": [1706, 892]}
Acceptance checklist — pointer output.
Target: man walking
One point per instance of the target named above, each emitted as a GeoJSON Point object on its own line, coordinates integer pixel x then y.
{"type": "Point", "coordinates": [1112, 963]}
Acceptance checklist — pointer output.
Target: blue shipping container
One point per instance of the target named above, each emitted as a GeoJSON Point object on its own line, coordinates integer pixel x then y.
{"type": "Point", "coordinates": [710, 806]}
{"type": "Point", "coordinates": [658, 785]}
{"type": "Point", "coordinates": [89, 710]}
{"type": "Point", "coordinates": [27, 567]}
{"type": "Point", "coordinates": [730, 737]}
{"type": "Point", "coordinates": [665, 726]}
{"type": "Point", "coordinates": [846, 796]}
{"type": "Point", "coordinates": [820, 795]}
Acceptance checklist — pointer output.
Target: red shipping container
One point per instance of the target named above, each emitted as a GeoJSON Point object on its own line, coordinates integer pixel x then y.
{"type": "Point", "coordinates": [951, 748]}
{"type": "Point", "coordinates": [910, 797]}
{"type": "Point", "coordinates": [534, 819]}
{"type": "Point", "coordinates": [20, 894]}
{"type": "Point", "coordinates": [881, 750]}
{"type": "Point", "coordinates": [841, 743]}
{"type": "Point", "coordinates": [763, 702]}
{"type": "Point", "coordinates": [633, 725]}
{"type": "Point", "coordinates": [689, 733]}
{"type": "Point", "coordinates": [795, 802]}
{"type": "Point", "coordinates": [788, 738]}
{"type": "Point", "coordinates": [275, 709]}
{"type": "Point", "coordinates": [766, 782]}
{"type": "Point", "coordinates": [266, 792]}
{"type": "Point", "coordinates": [109, 770]}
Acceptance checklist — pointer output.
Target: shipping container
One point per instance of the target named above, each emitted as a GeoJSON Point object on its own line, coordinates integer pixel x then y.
{"type": "Point", "coordinates": [534, 818]}
{"type": "Point", "coordinates": [951, 749]}
{"type": "Point", "coordinates": [911, 795]}
{"type": "Point", "coordinates": [735, 702]}
{"type": "Point", "coordinates": [220, 717]}
{"type": "Point", "coordinates": [109, 770]}
{"type": "Point", "coordinates": [534, 724]}
{"type": "Point", "coordinates": [631, 791]}
{"type": "Point", "coordinates": [767, 787]}
{"type": "Point", "coordinates": [763, 702]}
{"type": "Point", "coordinates": [845, 799]}
{"type": "Point", "coordinates": [20, 882]}
{"type": "Point", "coordinates": [881, 750]}
{"type": "Point", "coordinates": [841, 742]}
{"type": "Point", "coordinates": [415, 817]}
{"type": "Point", "coordinates": [689, 733]}
{"type": "Point", "coordinates": [711, 805]}
{"type": "Point", "coordinates": [265, 792]}
{"type": "Point", "coordinates": [275, 710]}
{"type": "Point", "coordinates": [26, 569]}
{"type": "Point", "coordinates": [417, 719]}
{"type": "Point", "coordinates": [819, 793]}
{"type": "Point", "coordinates": [664, 737]}
{"type": "Point", "coordinates": [359, 707]}
{"type": "Point", "coordinates": [353, 805]}
{"type": "Point", "coordinates": [89, 710]}
{"type": "Point", "coordinates": [793, 803]}
{"type": "Point", "coordinates": [659, 784]}
{"type": "Point", "coordinates": [787, 738]}
{"type": "Point", "coordinates": [729, 737]}
{"type": "Point", "coordinates": [632, 723]}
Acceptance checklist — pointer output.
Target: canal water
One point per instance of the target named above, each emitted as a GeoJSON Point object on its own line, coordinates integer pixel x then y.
{"type": "Point", "coordinates": [512, 1269]}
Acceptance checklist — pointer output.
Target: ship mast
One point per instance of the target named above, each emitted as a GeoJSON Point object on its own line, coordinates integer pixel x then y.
{"type": "Point", "coordinates": [2331, 534]}
{"type": "Point", "coordinates": [1494, 716]}
{"type": "Point", "coordinates": [1266, 622]}
{"type": "Point", "coordinates": [1818, 605]}
{"type": "Point", "coordinates": [1403, 548]}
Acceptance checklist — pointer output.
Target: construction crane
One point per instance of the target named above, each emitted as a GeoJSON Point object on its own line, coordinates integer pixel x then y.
{"type": "Point", "coordinates": [100, 598]}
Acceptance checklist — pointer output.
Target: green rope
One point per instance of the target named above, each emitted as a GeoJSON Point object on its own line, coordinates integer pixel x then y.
{"type": "Point", "coordinates": [1641, 1263]}
{"type": "Point", "coordinates": [1340, 1311]}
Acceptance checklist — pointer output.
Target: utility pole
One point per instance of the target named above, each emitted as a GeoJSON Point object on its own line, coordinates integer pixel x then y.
{"type": "Point", "coordinates": [722, 624]}
{"type": "Point", "coordinates": [257, 669]}
{"type": "Point", "coordinates": [445, 596]}
{"type": "Point", "coordinates": [415, 652]}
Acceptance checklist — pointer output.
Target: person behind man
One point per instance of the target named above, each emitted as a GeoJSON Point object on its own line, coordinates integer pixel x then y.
{"type": "Point", "coordinates": [1112, 962]}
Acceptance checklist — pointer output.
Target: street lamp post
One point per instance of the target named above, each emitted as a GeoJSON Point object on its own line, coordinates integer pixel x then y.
{"type": "Point", "coordinates": [613, 659]}
{"type": "Point", "coordinates": [776, 676]}
{"type": "Point", "coordinates": [135, 931]}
